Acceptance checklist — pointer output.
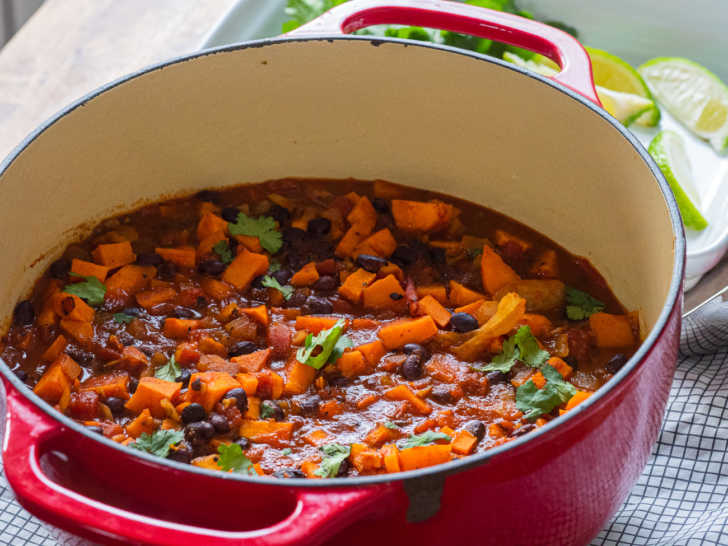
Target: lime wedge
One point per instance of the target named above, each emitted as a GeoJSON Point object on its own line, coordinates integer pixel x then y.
{"type": "Point", "coordinates": [692, 94]}
{"type": "Point", "coordinates": [668, 150]}
{"type": "Point", "coordinates": [614, 74]}
{"type": "Point", "coordinates": [626, 107]}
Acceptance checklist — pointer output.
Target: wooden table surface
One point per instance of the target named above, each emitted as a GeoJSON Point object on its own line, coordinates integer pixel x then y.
{"type": "Point", "coordinates": [70, 47]}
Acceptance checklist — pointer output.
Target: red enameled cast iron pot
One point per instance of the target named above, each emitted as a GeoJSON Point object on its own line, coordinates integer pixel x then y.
{"type": "Point", "coordinates": [318, 103]}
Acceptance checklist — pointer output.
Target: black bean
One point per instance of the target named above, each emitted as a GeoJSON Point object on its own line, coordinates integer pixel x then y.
{"type": "Point", "coordinates": [344, 468]}
{"type": "Point", "coordinates": [242, 348]}
{"type": "Point", "coordinates": [339, 381]}
{"type": "Point", "coordinates": [309, 405]}
{"type": "Point", "coordinates": [271, 410]}
{"type": "Point", "coordinates": [230, 214]}
{"type": "Point", "coordinates": [133, 384]}
{"type": "Point", "coordinates": [186, 313]}
{"type": "Point", "coordinates": [182, 453]}
{"type": "Point", "coordinates": [463, 322]}
{"type": "Point", "coordinates": [292, 235]}
{"type": "Point", "coordinates": [396, 296]}
{"type": "Point", "coordinates": [220, 423]}
{"type": "Point", "coordinates": [24, 313]}
{"type": "Point", "coordinates": [279, 214]}
{"type": "Point", "coordinates": [380, 205]}
{"type": "Point", "coordinates": [318, 306]}
{"type": "Point", "coordinates": [416, 349]}
{"type": "Point", "coordinates": [283, 275]}
{"type": "Point", "coordinates": [404, 255]}
{"type": "Point", "coordinates": [319, 226]}
{"type": "Point", "coordinates": [523, 430]}
{"type": "Point", "coordinates": [370, 263]}
{"type": "Point", "coordinates": [286, 473]}
{"type": "Point", "coordinates": [96, 429]}
{"type": "Point", "coordinates": [207, 195]}
{"type": "Point", "coordinates": [615, 363]}
{"type": "Point", "coordinates": [442, 394]}
{"type": "Point", "coordinates": [60, 269]}
{"type": "Point", "coordinates": [21, 374]}
{"type": "Point", "coordinates": [199, 432]}
{"type": "Point", "coordinates": [258, 282]}
{"type": "Point", "coordinates": [196, 385]}
{"type": "Point", "coordinates": [116, 405]}
{"type": "Point", "coordinates": [241, 398]}
{"type": "Point", "coordinates": [184, 377]}
{"type": "Point", "coordinates": [297, 299]}
{"type": "Point", "coordinates": [476, 428]}
{"type": "Point", "coordinates": [193, 412]}
{"type": "Point", "coordinates": [437, 255]}
{"type": "Point", "coordinates": [149, 258]}
{"type": "Point", "coordinates": [496, 377]}
{"type": "Point", "coordinates": [325, 284]}
{"type": "Point", "coordinates": [79, 355]}
{"type": "Point", "coordinates": [211, 267]}
{"type": "Point", "coordinates": [243, 443]}
{"type": "Point", "coordinates": [201, 301]}
{"type": "Point", "coordinates": [412, 367]}
{"type": "Point", "coordinates": [297, 258]}
{"type": "Point", "coordinates": [132, 311]}
{"type": "Point", "coordinates": [166, 270]}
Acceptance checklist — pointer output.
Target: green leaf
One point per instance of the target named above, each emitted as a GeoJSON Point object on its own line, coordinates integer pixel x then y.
{"type": "Point", "coordinates": [287, 451]}
{"type": "Point", "coordinates": [159, 442]}
{"type": "Point", "coordinates": [534, 402]}
{"type": "Point", "coordinates": [580, 305]}
{"type": "Point", "coordinates": [267, 411]}
{"type": "Point", "coordinates": [274, 266]}
{"type": "Point", "coordinates": [409, 33]}
{"type": "Point", "coordinates": [263, 227]}
{"type": "Point", "coordinates": [390, 425]}
{"type": "Point", "coordinates": [222, 249]}
{"type": "Point", "coordinates": [343, 343]}
{"type": "Point", "coordinates": [123, 318]}
{"type": "Point", "coordinates": [271, 282]}
{"type": "Point", "coordinates": [520, 346]}
{"type": "Point", "coordinates": [326, 340]}
{"type": "Point", "coordinates": [334, 455]}
{"type": "Point", "coordinates": [426, 438]}
{"type": "Point", "coordinates": [169, 371]}
{"type": "Point", "coordinates": [232, 458]}
{"type": "Point", "coordinates": [91, 290]}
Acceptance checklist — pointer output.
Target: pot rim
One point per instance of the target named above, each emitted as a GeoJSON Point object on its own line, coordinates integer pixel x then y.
{"type": "Point", "coordinates": [673, 296]}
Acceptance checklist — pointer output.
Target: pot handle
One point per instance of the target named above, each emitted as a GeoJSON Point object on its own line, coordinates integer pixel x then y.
{"type": "Point", "coordinates": [29, 433]}
{"type": "Point", "coordinates": [562, 48]}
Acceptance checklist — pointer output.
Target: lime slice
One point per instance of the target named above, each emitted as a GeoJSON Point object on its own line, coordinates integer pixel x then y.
{"type": "Point", "coordinates": [626, 107]}
{"type": "Point", "coordinates": [692, 94]}
{"type": "Point", "coordinates": [614, 74]}
{"type": "Point", "coordinates": [668, 150]}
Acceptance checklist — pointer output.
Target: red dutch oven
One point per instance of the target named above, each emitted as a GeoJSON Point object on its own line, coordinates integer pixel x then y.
{"type": "Point", "coordinates": [320, 103]}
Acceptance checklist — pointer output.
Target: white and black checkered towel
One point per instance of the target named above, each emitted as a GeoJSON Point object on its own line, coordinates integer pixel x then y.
{"type": "Point", "coordinates": [681, 497]}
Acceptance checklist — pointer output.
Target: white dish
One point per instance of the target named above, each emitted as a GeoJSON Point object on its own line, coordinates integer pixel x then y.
{"type": "Point", "coordinates": [636, 32]}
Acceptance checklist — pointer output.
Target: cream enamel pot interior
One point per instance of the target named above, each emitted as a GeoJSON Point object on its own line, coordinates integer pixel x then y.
{"type": "Point", "coordinates": [336, 107]}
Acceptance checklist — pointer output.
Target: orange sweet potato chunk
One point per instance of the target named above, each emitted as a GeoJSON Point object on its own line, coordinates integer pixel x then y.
{"type": "Point", "coordinates": [244, 268]}
{"type": "Point", "coordinates": [305, 276]}
{"type": "Point", "coordinates": [114, 254]}
{"type": "Point", "coordinates": [430, 306]}
{"type": "Point", "coordinates": [386, 293]}
{"type": "Point", "coordinates": [150, 392]}
{"type": "Point", "coordinates": [89, 269]}
{"type": "Point", "coordinates": [494, 271]}
{"type": "Point", "coordinates": [183, 257]}
{"type": "Point", "coordinates": [420, 216]}
{"type": "Point", "coordinates": [423, 456]}
{"type": "Point", "coordinates": [611, 331]}
{"type": "Point", "coordinates": [354, 285]}
{"type": "Point", "coordinates": [398, 334]}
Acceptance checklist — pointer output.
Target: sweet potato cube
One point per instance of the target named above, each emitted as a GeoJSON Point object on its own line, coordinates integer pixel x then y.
{"type": "Point", "coordinates": [259, 314]}
{"type": "Point", "coordinates": [68, 306]}
{"type": "Point", "coordinates": [130, 279]}
{"type": "Point", "coordinates": [150, 392]}
{"type": "Point", "coordinates": [354, 285]}
{"type": "Point", "coordinates": [55, 349]}
{"type": "Point", "coordinates": [150, 298]}
{"type": "Point", "coordinates": [249, 383]}
{"type": "Point", "coordinates": [213, 387]}
{"type": "Point", "coordinates": [380, 434]}
{"type": "Point", "coordinates": [89, 269]}
{"type": "Point", "coordinates": [114, 255]}
{"type": "Point", "coordinates": [351, 364]}
{"type": "Point", "coordinates": [390, 455]}
{"type": "Point", "coordinates": [267, 432]}
{"type": "Point", "coordinates": [430, 306]}
{"type": "Point", "coordinates": [314, 324]}
{"type": "Point", "coordinates": [365, 459]}
{"type": "Point", "coordinates": [305, 276]}
{"type": "Point", "coordinates": [210, 223]}
{"type": "Point", "coordinates": [184, 257]}
{"type": "Point", "coordinates": [244, 268]}
{"type": "Point", "coordinates": [611, 331]}
{"type": "Point", "coordinates": [577, 399]}
{"type": "Point", "coordinates": [79, 330]}
{"type": "Point", "coordinates": [403, 392]}
{"type": "Point", "coordinates": [464, 442]}
{"type": "Point", "coordinates": [494, 271]}
{"type": "Point", "coordinates": [461, 295]}
{"type": "Point", "coordinates": [399, 333]}
{"type": "Point", "coordinates": [298, 378]}
{"type": "Point", "coordinates": [317, 437]}
{"type": "Point", "coordinates": [386, 293]}
{"type": "Point", "coordinates": [437, 291]}
{"type": "Point", "coordinates": [423, 456]}
{"type": "Point", "coordinates": [55, 384]}
{"type": "Point", "coordinates": [381, 243]}
{"type": "Point", "coordinates": [373, 352]}
{"type": "Point", "coordinates": [363, 215]}
{"type": "Point", "coordinates": [207, 245]}
{"type": "Point", "coordinates": [560, 366]}
{"type": "Point", "coordinates": [144, 423]}
{"type": "Point", "coordinates": [114, 384]}
{"type": "Point", "coordinates": [252, 362]}
{"type": "Point", "coordinates": [421, 217]}
{"type": "Point", "coordinates": [179, 328]}
{"type": "Point", "coordinates": [250, 242]}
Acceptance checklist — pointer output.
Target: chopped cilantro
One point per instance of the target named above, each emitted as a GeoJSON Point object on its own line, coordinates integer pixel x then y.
{"type": "Point", "coordinates": [390, 425]}
{"type": "Point", "coordinates": [326, 340]}
{"type": "Point", "coordinates": [534, 402]}
{"type": "Point", "coordinates": [222, 249]}
{"type": "Point", "coordinates": [169, 371]}
{"type": "Point", "coordinates": [426, 438]}
{"type": "Point", "coordinates": [580, 305]}
{"type": "Point", "coordinates": [123, 318]}
{"type": "Point", "coordinates": [92, 290]}
{"type": "Point", "coordinates": [343, 343]}
{"type": "Point", "coordinates": [159, 442]}
{"type": "Point", "coordinates": [271, 282]}
{"type": "Point", "coordinates": [267, 411]}
{"type": "Point", "coordinates": [334, 455]}
{"type": "Point", "coordinates": [287, 451]}
{"type": "Point", "coordinates": [520, 346]}
{"type": "Point", "coordinates": [232, 458]}
{"type": "Point", "coordinates": [274, 266]}
{"type": "Point", "coordinates": [263, 227]}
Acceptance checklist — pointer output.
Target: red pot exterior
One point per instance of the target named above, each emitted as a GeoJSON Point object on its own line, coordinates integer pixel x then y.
{"type": "Point", "coordinates": [560, 487]}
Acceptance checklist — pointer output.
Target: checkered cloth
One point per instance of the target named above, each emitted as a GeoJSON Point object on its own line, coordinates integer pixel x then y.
{"type": "Point", "coordinates": [681, 497]}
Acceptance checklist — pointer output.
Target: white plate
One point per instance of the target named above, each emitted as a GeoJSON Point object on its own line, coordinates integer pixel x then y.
{"type": "Point", "coordinates": [633, 30]}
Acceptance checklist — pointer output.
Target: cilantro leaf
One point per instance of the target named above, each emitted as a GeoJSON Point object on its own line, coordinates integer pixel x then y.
{"type": "Point", "coordinates": [326, 340]}
{"type": "Point", "coordinates": [274, 266]}
{"type": "Point", "coordinates": [580, 305]}
{"type": "Point", "coordinates": [390, 425]}
{"type": "Point", "coordinates": [343, 343]}
{"type": "Point", "coordinates": [159, 442]}
{"type": "Point", "coordinates": [267, 410]}
{"type": "Point", "coordinates": [169, 371]}
{"type": "Point", "coordinates": [426, 438]}
{"type": "Point", "coordinates": [272, 282]}
{"type": "Point", "coordinates": [520, 346]}
{"type": "Point", "coordinates": [222, 249]}
{"type": "Point", "coordinates": [334, 455]}
{"type": "Point", "coordinates": [232, 458]}
{"type": "Point", "coordinates": [534, 402]}
{"type": "Point", "coordinates": [286, 451]}
{"type": "Point", "coordinates": [123, 318]}
{"type": "Point", "coordinates": [92, 290]}
{"type": "Point", "coordinates": [263, 227]}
